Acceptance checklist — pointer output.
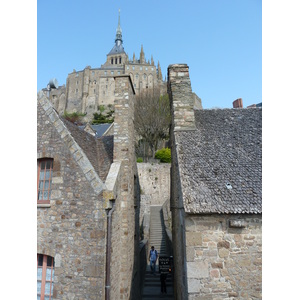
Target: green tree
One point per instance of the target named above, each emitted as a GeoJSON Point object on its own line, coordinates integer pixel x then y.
{"type": "Point", "coordinates": [152, 118]}
{"type": "Point", "coordinates": [101, 117]}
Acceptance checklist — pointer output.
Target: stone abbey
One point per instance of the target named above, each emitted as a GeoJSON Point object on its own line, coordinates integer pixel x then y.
{"type": "Point", "coordinates": [99, 211]}
{"type": "Point", "coordinates": [87, 89]}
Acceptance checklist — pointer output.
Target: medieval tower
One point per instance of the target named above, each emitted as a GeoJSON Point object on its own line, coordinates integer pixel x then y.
{"type": "Point", "coordinates": [90, 88]}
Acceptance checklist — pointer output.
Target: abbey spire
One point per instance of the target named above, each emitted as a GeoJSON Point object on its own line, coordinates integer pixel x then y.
{"type": "Point", "coordinates": [118, 47]}
{"type": "Point", "coordinates": [118, 39]}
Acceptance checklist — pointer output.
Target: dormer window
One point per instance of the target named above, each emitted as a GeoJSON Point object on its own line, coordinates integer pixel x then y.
{"type": "Point", "coordinates": [112, 61]}
{"type": "Point", "coordinates": [120, 60]}
{"type": "Point", "coordinates": [116, 60]}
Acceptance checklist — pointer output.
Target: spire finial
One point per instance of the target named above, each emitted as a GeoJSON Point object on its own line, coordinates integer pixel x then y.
{"type": "Point", "coordinates": [119, 31]}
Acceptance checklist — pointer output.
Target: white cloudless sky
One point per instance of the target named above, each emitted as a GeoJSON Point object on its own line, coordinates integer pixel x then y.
{"type": "Point", "coordinates": [221, 41]}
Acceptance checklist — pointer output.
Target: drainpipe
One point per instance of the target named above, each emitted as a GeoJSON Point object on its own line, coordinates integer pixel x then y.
{"type": "Point", "coordinates": [108, 252]}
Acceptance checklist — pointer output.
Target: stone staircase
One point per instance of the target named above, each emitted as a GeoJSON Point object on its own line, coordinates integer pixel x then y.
{"type": "Point", "coordinates": [157, 239]}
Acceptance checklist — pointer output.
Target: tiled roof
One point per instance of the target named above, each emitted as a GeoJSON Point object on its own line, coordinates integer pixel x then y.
{"type": "Point", "coordinates": [220, 162]}
{"type": "Point", "coordinates": [99, 151]}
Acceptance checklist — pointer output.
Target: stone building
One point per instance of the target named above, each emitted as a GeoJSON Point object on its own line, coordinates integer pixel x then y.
{"type": "Point", "coordinates": [216, 197]}
{"type": "Point", "coordinates": [87, 205]}
{"type": "Point", "coordinates": [87, 89]}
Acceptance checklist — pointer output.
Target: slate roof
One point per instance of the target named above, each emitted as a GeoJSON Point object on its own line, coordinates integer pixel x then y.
{"type": "Point", "coordinates": [117, 49]}
{"type": "Point", "coordinates": [220, 162]}
{"type": "Point", "coordinates": [99, 128]}
{"type": "Point", "coordinates": [99, 151]}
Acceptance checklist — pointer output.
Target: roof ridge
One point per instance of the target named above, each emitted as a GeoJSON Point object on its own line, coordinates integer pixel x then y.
{"type": "Point", "coordinates": [76, 151]}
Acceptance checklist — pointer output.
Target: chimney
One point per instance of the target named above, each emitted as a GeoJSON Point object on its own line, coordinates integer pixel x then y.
{"type": "Point", "coordinates": [181, 97]}
{"type": "Point", "coordinates": [123, 122]}
{"type": "Point", "coordinates": [238, 103]}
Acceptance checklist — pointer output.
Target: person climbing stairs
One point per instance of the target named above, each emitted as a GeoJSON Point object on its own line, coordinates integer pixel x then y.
{"type": "Point", "coordinates": [152, 284]}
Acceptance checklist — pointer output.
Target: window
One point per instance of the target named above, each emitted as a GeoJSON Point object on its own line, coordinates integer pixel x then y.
{"type": "Point", "coordinates": [120, 60]}
{"type": "Point", "coordinates": [141, 68]}
{"type": "Point", "coordinates": [45, 276]}
{"type": "Point", "coordinates": [132, 67]}
{"type": "Point", "coordinates": [112, 72]}
{"type": "Point", "coordinates": [116, 60]}
{"type": "Point", "coordinates": [44, 178]}
{"type": "Point", "coordinates": [105, 72]}
{"type": "Point", "coordinates": [119, 73]}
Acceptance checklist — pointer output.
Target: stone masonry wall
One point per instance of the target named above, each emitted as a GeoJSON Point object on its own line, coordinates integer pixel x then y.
{"type": "Point", "coordinates": [182, 103]}
{"type": "Point", "coordinates": [155, 183]}
{"type": "Point", "coordinates": [89, 88]}
{"type": "Point", "coordinates": [155, 189]}
{"type": "Point", "coordinates": [123, 232]}
{"type": "Point", "coordinates": [72, 228]}
{"type": "Point", "coordinates": [224, 257]}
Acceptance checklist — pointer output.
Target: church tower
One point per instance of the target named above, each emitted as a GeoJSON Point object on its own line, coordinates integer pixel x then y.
{"type": "Point", "coordinates": [117, 55]}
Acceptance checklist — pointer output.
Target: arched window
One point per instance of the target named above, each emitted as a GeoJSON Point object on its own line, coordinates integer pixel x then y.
{"type": "Point", "coordinates": [45, 276]}
{"type": "Point", "coordinates": [44, 179]}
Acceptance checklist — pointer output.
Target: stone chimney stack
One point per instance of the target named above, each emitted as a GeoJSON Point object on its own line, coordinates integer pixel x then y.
{"type": "Point", "coordinates": [181, 97]}
{"type": "Point", "coordinates": [123, 123]}
{"type": "Point", "coordinates": [238, 103]}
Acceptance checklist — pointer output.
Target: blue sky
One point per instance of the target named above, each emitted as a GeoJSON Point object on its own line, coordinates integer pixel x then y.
{"type": "Point", "coordinates": [221, 41]}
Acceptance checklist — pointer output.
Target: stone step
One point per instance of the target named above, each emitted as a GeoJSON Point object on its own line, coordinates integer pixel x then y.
{"type": "Point", "coordinates": [157, 239]}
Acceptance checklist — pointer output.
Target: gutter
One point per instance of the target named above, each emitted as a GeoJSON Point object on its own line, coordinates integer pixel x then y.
{"type": "Point", "coordinates": [108, 251]}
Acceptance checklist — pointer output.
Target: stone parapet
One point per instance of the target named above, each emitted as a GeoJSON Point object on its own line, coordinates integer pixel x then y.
{"type": "Point", "coordinates": [111, 183]}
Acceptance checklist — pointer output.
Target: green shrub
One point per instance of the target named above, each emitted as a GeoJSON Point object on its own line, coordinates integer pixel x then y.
{"type": "Point", "coordinates": [139, 160]}
{"type": "Point", "coordinates": [164, 155]}
{"type": "Point", "coordinates": [74, 117]}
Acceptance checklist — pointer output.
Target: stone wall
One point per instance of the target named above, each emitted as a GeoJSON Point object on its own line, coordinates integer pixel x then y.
{"type": "Point", "coordinates": [182, 103]}
{"type": "Point", "coordinates": [155, 181]}
{"type": "Point", "coordinates": [224, 257]}
{"type": "Point", "coordinates": [87, 89]}
{"type": "Point", "coordinates": [125, 237]}
{"type": "Point", "coordinates": [72, 228]}
{"type": "Point", "coordinates": [155, 187]}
